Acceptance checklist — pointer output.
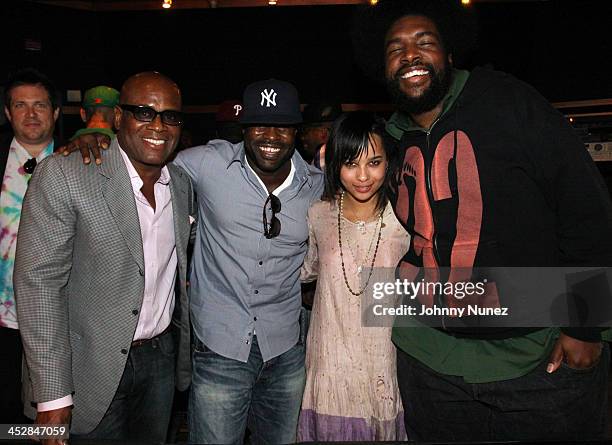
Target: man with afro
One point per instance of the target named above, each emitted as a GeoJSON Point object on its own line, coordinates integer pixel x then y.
{"type": "Point", "coordinates": [488, 175]}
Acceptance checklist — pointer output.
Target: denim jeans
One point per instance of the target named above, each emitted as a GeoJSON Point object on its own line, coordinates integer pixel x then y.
{"type": "Point", "coordinates": [228, 394]}
{"type": "Point", "coordinates": [141, 408]}
{"type": "Point", "coordinates": [567, 405]}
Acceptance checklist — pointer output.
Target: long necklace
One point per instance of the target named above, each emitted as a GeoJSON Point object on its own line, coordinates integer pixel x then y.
{"type": "Point", "coordinates": [354, 247]}
{"type": "Point", "coordinates": [380, 224]}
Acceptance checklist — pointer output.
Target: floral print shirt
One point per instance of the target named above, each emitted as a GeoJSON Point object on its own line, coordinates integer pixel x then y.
{"type": "Point", "coordinates": [14, 186]}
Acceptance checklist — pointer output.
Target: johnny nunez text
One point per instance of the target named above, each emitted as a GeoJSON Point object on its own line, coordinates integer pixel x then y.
{"type": "Point", "coordinates": [470, 309]}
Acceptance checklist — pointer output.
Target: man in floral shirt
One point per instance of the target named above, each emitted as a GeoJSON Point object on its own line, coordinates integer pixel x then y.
{"type": "Point", "coordinates": [32, 109]}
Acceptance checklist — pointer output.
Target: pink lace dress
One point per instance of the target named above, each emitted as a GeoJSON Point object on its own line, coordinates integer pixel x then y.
{"type": "Point", "coordinates": [351, 391]}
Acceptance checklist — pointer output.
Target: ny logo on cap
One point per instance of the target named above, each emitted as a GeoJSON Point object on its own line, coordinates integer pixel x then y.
{"type": "Point", "coordinates": [237, 108]}
{"type": "Point", "coordinates": [269, 97]}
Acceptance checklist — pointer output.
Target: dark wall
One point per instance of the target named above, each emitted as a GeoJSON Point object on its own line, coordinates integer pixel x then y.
{"type": "Point", "coordinates": [561, 47]}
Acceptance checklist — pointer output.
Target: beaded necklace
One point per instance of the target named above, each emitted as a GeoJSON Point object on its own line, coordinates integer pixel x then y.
{"type": "Point", "coordinates": [353, 245]}
{"type": "Point", "coordinates": [380, 225]}
{"type": "Point", "coordinates": [353, 248]}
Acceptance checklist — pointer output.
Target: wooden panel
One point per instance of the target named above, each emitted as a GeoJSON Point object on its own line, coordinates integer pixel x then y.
{"type": "Point", "coordinates": [204, 109]}
{"type": "Point", "coordinates": [583, 103]}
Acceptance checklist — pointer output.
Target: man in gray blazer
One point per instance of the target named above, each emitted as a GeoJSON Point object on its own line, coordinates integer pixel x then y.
{"type": "Point", "coordinates": [97, 258]}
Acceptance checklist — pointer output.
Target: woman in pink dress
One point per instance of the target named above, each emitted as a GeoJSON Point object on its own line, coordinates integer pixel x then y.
{"type": "Point", "coordinates": [351, 389]}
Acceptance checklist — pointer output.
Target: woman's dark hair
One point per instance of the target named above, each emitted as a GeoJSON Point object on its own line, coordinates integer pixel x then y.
{"type": "Point", "coordinates": [350, 136]}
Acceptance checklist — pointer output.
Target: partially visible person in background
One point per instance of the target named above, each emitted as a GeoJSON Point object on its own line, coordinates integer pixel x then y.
{"type": "Point", "coordinates": [32, 108]}
{"type": "Point", "coordinates": [186, 140]}
{"type": "Point", "coordinates": [318, 119]}
{"type": "Point", "coordinates": [314, 133]}
{"type": "Point", "coordinates": [227, 121]}
{"type": "Point", "coordinates": [97, 111]}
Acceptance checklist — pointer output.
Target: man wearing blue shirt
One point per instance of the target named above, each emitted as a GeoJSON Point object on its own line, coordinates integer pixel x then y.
{"type": "Point", "coordinates": [253, 197]}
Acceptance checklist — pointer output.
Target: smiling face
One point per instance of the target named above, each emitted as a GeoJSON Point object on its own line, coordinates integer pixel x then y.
{"type": "Point", "coordinates": [31, 115]}
{"type": "Point", "coordinates": [148, 144]}
{"type": "Point", "coordinates": [363, 177]}
{"type": "Point", "coordinates": [417, 66]}
{"type": "Point", "coordinates": [269, 149]}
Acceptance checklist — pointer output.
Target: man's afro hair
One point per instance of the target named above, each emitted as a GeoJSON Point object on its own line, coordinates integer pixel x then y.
{"type": "Point", "coordinates": [457, 27]}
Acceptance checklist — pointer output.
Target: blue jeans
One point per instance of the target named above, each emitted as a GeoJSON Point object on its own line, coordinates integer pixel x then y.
{"type": "Point", "coordinates": [228, 394]}
{"type": "Point", "coordinates": [567, 405]}
{"type": "Point", "coordinates": [141, 408]}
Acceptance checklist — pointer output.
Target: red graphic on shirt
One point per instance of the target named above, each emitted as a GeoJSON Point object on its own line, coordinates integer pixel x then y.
{"type": "Point", "coordinates": [414, 210]}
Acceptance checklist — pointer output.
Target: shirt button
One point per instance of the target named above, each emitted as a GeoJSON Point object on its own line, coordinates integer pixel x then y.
{"type": "Point", "coordinates": [254, 318]}
{"type": "Point", "coordinates": [124, 351]}
{"type": "Point", "coordinates": [250, 334]}
{"type": "Point", "coordinates": [256, 291]}
{"type": "Point", "coordinates": [247, 342]}
{"type": "Point", "coordinates": [260, 263]}
{"type": "Point", "coordinates": [141, 272]}
{"type": "Point", "coordinates": [135, 312]}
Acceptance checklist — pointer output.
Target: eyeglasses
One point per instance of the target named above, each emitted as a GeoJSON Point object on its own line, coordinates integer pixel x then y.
{"type": "Point", "coordinates": [143, 113]}
{"type": "Point", "coordinates": [29, 166]}
{"type": "Point", "coordinates": [272, 230]}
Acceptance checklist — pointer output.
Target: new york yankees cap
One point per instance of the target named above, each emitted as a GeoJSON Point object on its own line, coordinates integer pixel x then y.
{"type": "Point", "coordinates": [271, 102]}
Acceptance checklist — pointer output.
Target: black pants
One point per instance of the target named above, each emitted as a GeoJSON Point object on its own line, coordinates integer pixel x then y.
{"type": "Point", "coordinates": [566, 405]}
{"type": "Point", "coordinates": [11, 351]}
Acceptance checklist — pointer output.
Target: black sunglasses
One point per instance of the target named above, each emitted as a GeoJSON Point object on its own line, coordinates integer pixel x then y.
{"type": "Point", "coordinates": [272, 230]}
{"type": "Point", "coordinates": [147, 114]}
{"type": "Point", "coordinates": [29, 166]}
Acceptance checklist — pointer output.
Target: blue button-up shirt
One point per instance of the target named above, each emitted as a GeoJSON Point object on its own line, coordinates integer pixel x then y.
{"type": "Point", "coordinates": [242, 282]}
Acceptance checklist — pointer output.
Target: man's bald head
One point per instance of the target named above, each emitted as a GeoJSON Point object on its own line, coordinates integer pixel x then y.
{"type": "Point", "coordinates": [147, 81]}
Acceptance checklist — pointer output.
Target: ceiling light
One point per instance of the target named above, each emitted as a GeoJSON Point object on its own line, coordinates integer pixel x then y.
{"type": "Point", "coordinates": [271, 2]}
{"type": "Point", "coordinates": [373, 2]}
{"type": "Point", "coordinates": [465, 2]}
{"type": "Point", "coordinates": [167, 4]}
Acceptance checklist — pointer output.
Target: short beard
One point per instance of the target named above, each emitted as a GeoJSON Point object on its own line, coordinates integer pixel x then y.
{"type": "Point", "coordinates": [440, 84]}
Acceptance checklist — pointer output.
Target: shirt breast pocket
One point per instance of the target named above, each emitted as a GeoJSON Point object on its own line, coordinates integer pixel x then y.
{"type": "Point", "coordinates": [294, 226]}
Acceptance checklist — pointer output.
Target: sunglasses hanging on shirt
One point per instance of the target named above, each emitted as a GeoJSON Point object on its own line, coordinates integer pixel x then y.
{"type": "Point", "coordinates": [29, 166]}
{"type": "Point", "coordinates": [273, 229]}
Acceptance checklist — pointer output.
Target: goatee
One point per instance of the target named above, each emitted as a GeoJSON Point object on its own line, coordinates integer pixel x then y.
{"type": "Point", "coordinates": [439, 86]}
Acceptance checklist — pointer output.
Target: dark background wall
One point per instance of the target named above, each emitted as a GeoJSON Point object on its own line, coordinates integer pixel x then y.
{"type": "Point", "coordinates": [563, 48]}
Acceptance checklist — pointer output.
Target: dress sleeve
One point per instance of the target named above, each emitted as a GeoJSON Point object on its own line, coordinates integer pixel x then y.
{"type": "Point", "coordinates": [310, 268]}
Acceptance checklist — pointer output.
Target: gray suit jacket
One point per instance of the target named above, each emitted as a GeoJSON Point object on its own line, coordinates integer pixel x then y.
{"type": "Point", "coordinates": [79, 277]}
